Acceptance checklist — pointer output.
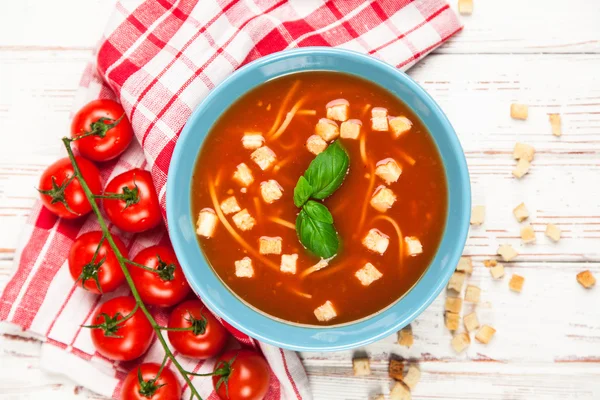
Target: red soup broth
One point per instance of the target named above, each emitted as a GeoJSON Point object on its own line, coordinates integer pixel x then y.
{"type": "Point", "coordinates": [419, 211]}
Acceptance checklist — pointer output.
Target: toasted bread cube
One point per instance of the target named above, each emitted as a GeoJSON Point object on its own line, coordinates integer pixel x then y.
{"type": "Point", "coordinates": [388, 170]}
{"type": "Point", "coordinates": [368, 274]}
{"type": "Point", "coordinates": [396, 369]}
{"type": "Point", "coordinates": [379, 120]}
{"type": "Point", "coordinates": [325, 312]}
{"type": "Point", "coordinates": [555, 123]}
{"type": "Point", "coordinates": [413, 246]}
{"type": "Point", "coordinates": [586, 279]}
{"type": "Point", "coordinates": [400, 392]}
{"type": "Point", "coordinates": [413, 376]}
{"type": "Point", "coordinates": [460, 342]}
{"type": "Point", "coordinates": [472, 294]}
{"type": "Point", "coordinates": [230, 205]}
{"type": "Point", "coordinates": [271, 191]}
{"type": "Point", "coordinates": [361, 366]}
{"type": "Point", "coordinates": [451, 320]}
{"type": "Point", "coordinates": [516, 283]}
{"type": "Point", "coordinates": [465, 7]}
{"type": "Point", "coordinates": [477, 215]}
{"type": "Point", "coordinates": [338, 110]}
{"type": "Point", "coordinates": [243, 175]}
{"type": "Point", "coordinates": [270, 245]}
{"type": "Point", "coordinates": [327, 129]}
{"type": "Point", "coordinates": [376, 241]}
{"type": "Point", "coordinates": [471, 322]}
{"type": "Point", "coordinates": [405, 336]}
{"type": "Point", "coordinates": [264, 157]}
{"type": "Point", "coordinates": [521, 169]}
{"type": "Point", "coordinates": [497, 271]}
{"type": "Point", "coordinates": [243, 268]}
{"type": "Point", "coordinates": [383, 199]}
{"type": "Point", "coordinates": [553, 232]}
{"type": "Point", "coordinates": [523, 151]}
{"type": "Point", "coordinates": [243, 220]}
{"type": "Point", "coordinates": [490, 263]}
{"type": "Point", "coordinates": [527, 234]}
{"type": "Point", "coordinates": [465, 264]}
{"type": "Point", "coordinates": [315, 144]}
{"type": "Point", "coordinates": [507, 252]}
{"type": "Point", "coordinates": [457, 280]}
{"type": "Point", "coordinates": [252, 140]}
{"type": "Point", "coordinates": [288, 263]}
{"type": "Point", "coordinates": [519, 111]}
{"type": "Point", "coordinates": [351, 129]}
{"type": "Point", "coordinates": [399, 125]}
{"type": "Point", "coordinates": [521, 212]}
{"type": "Point", "coordinates": [453, 304]}
{"type": "Point", "coordinates": [485, 334]}
{"type": "Point", "coordinates": [207, 223]}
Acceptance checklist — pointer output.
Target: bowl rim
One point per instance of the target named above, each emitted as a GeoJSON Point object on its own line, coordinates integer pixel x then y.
{"type": "Point", "coordinates": [313, 337]}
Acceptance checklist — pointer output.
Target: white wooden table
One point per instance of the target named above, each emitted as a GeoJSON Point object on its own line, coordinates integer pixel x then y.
{"type": "Point", "coordinates": [545, 53]}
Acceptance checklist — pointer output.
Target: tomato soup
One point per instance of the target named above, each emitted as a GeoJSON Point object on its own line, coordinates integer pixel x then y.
{"type": "Point", "coordinates": [366, 219]}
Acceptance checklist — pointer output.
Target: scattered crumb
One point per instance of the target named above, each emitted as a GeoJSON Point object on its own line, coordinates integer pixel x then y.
{"type": "Point", "coordinates": [521, 169]}
{"type": "Point", "coordinates": [477, 215]}
{"type": "Point", "coordinates": [586, 279]}
{"type": "Point", "coordinates": [400, 392]}
{"type": "Point", "coordinates": [452, 320]}
{"type": "Point", "coordinates": [413, 376]}
{"type": "Point", "coordinates": [553, 232]}
{"type": "Point", "coordinates": [519, 111]}
{"type": "Point", "coordinates": [453, 304]}
{"type": "Point", "coordinates": [497, 271]}
{"type": "Point", "coordinates": [379, 397]}
{"type": "Point", "coordinates": [405, 336]}
{"type": "Point", "coordinates": [361, 366]}
{"type": "Point", "coordinates": [523, 150]}
{"type": "Point", "coordinates": [507, 252]}
{"type": "Point", "coordinates": [521, 212]}
{"type": "Point", "coordinates": [527, 234]}
{"type": "Point", "coordinates": [490, 263]}
{"type": "Point", "coordinates": [457, 281]}
{"type": "Point", "coordinates": [555, 123]}
{"type": "Point", "coordinates": [465, 264]}
{"type": "Point", "coordinates": [472, 294]}
{"type": "Point", "coordinates": [471, 322]}
{"type": "Point", "coordinates": [485, 334]}
{"type": "Point", "coordinates": [465, 7]}
{"type": "Point", "coordinates": [396, 370]}
{"type": "Point", "coordinates": [516, 283]}
{"type": "Point", "coordinates": [460, 342]}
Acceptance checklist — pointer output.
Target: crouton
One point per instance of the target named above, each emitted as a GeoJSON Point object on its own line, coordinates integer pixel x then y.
{"type": "Point", "coordinates": [388, 170]}
{"type": "Point", "coordinates": [243, 268]}
{"type": "Point", "coordinates": [405, 336]}
{"type": "Point", "coordinates": [460, 342]}
{"type": "Point", "coordinates": [521, 169]}
{"type": "Point", "coordinates": [315, 144]}
{"type": "Point", "coordinates": [523, 151]}
{"type": "Point", "coordinates": [338, 110]}
{"type": "Point", "coordinates": [519, 111]}
{"type": "Point", "coordinates": [264, 157]}
{"type": "Point", "coordinates": [376, 241]}
{"type": "Point", "coordinates": [243, 220]}
{"type": "Point", "coordinates": [485, 334]}
{"type": "Point", "coordinates": [490, 263]}
{"type": "Point", "coordinates": [413, 376]}
{"type": "Point", "coordinates": [207, 222]}
{"type": "Point", "coordinates": [507, 252]}
{"type": "Point", "coordinates": [451, 320]}
{"type": "Point", "coordinates": [456, 282]}
{"type": "Point", "coordinates": [243, 175]}
{"type": "Point", "coordinates": [497, 271]}
{"type": "Point", "coordinates": [271, 191]}
{"type": "Point", "coordinates": [351, 129]}
{"type": "Point", "coordinates": [396, 369]}
{"type": "Point", "coordinates": [555, 123]}
{"type": "Point", "coordinates": [527, 234]}
{"type": "Point", "coordinates": [252, 140]}
{"type": "Point", "coordinates": [516, 283]}
{"type": "Point", "coordinates": [477, 215]}
{"type": "Point", "coordinates": [230, 205]}
{"type": "Point", "coordinates": [399, 125]}
{"type": "Point", "coordinates": [521, 213]}
{"type": "Point", "coordinates": [361, 366]}
{"type": "Point", "coordinates": [325, 312]}
{"type": "Point", "coordinates": [465, 7]}
{"type": "Point", "coordinates": [368, 274]}
{"type": "Point", "coordinates": [327, 129]}
{"type": "Point", "coordinates": [288, 263]}
{"type": "Point", "coordinates": [465, 264]}
{"type": "Point", "coordinates": [383, 199]}
{"type": "Point", "coordinates": [413, 246]}
{"type": "Point", "coordinates": [471, 322]}
{"type": "Point", "coordinates": [453, 304]}
{"type": "Point", "coordinates": [270, 245]}
{"type": "Point", "coordinates": [472, 294]}
{"type": "Point", "coordinates": [553, 232]}
{"type": "Point", "coordinates": [400, 392]}
{"type": "Point", "coordinates": [586, 279]}
{"type": "Point", "coordinates": [379, 121]}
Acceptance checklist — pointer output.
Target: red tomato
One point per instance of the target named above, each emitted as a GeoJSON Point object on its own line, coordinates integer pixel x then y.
{"type": "Point", "coordinates": [62, 194]}
{"type": "Point", "coordinates": [131, 202]}
{"type": "Point", "coordinates": [122, 341]}
{"type": "Point", "coordinates": [241, 375]}
{"type": "Point", "coordinates": [99, 274]}
{"type": "Point", "coordinates": [141, 384]}
{"type": "Point", "coordinates": [108, 129]}
{"type": "Point", "coordinates": [163, 288]}
{"type": "Point", "coordinates": [206, 337]}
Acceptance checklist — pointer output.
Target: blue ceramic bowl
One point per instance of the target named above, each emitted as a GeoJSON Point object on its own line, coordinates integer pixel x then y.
{"type": "Point", "coordinates": [220, 299]}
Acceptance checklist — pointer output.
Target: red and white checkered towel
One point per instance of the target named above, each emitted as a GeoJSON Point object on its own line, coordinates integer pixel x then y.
{"type": "Point", "coordinates": [160, 58]}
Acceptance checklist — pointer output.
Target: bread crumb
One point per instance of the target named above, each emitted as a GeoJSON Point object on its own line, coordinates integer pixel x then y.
{"type": "Point", "coordinates": [516, 283]}
{"type": "Point", "coordinates": [553, 232]}
{"type": "Point", "coordinates": [413, 376]}
{"type": "Point", "coordinates": [521, 212]}
{"type": "Point", "coordinates": [555, 123]}
{"type": "Point", "coordinates": [361, 366]}
{"type": "Point", "coordinates": [396, 370]}
{"type": "Point", "coordinates": [453, 304]}
{"type": "Point", "coordinates": [519, 111]}
{"type": "Point", "coordinates": [472, 294]}
{"type": "Point", "coordinates": [405, 336]}
{"type": "Point", "coordinates": [490, 263]}
{"type": "Point", "coordinates": [485, 334]}
{"type": "Point", "coordinates": [471, 322]}
{"type": "Point", "coordinates": [379, 397]}
{"type": "Point", "coordinates": [477, 215]}
{"type": "Point", "coordinates": [457, 281]}
{"type": "Point", "coordinates": [497, 271]}
{"type": "Point", "coordinates": [465, 7]}
{"type": "Point", "coordinates": [451, 320]}
{"type": "Point", "coordinates": [521, 169]}
{"type": "Point", "coordinates": [460, 342]}
{"type": "Point", "coordinates": [527, 234]}
{"type": "Point", "coordinates": [507, 252]}
{"type": "Point", "coordinates": [586, 279]}
{"type": "Point", "coordinates": [400, 392]}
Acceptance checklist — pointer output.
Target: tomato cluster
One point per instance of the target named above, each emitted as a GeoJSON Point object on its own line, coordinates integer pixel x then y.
{"type": "Point", "coordinates": [120, 329]}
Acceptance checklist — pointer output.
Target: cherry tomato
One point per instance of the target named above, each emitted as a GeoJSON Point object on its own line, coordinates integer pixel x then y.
{"type": "Point", "coordinates": [165, 287]}
{"type": "Point", "coordinates": [107, 128]}
{"type": "Point", "coordinates": [122, 341]}
{"type": "Point", "coordinates": [241, 375]}
{"type": "Point", "coordinates": [131, 203]}
{"type": "Point", "coordinates": [141, 384]}
{"type": "Point", "coordinates": [98, 272]}
{"type": "Point", "coordinates": [206, 337]}
{"type": "Point", "coordinates": [62, 193]}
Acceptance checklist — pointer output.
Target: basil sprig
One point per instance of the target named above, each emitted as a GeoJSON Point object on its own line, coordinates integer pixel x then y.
{"type": "Point", "coordinates": [314, 224]}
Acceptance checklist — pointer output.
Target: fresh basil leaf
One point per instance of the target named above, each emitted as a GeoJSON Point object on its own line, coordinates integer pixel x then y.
{"type": "Point", "coordinates": [318, 212]}
{"type": "Point", "coordinates": [327, 171]}
{"type": "Point", "coordinates": [318, 237]}
{"type": "Point", "coordinates": [302, 192]}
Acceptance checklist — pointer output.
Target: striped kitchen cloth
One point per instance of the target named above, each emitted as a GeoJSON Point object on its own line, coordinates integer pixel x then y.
{"type": "Point", "coordinates": [160, 58]}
